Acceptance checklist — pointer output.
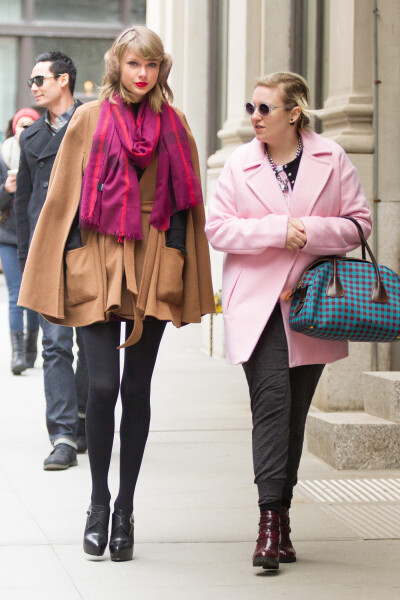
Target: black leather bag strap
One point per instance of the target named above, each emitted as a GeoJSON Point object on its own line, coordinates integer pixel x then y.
{"type": "Point", "coordinates": [363, 241]}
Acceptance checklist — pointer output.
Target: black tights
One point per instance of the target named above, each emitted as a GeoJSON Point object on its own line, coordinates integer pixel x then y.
{"type": "Point", "coordinates": [100, 342]}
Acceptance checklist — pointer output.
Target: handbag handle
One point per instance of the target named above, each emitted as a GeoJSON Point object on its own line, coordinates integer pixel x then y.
{"type": "Point", "coordinates": [334, 288]}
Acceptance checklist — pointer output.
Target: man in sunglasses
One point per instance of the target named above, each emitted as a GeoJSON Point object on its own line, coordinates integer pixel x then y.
{"type": "Point", "coordinates": [52, 84]}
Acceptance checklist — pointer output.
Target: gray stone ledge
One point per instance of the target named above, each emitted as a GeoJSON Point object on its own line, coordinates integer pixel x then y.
{"type": "Point", "coordinates": [381, 391]}
{"type": "Point", "coordinates": [354, 440]}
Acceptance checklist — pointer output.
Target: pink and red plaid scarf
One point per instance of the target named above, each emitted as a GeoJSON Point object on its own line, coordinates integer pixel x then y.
{"type": "Point", "coordinates": [110, 192]}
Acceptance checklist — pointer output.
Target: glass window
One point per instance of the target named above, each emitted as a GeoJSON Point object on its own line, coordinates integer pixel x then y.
{"type": "Point", "coordinates": [10, 11]}
{"type": "Point", "coordinates": [78, 10]}
{"type": "Point", "coordinates": [218, 74]}
{"type": "Point", "coordinates": [108, 11]}
{"type": "Point", "coordinates": [138, 11]}
{"type": "Point", "coordinates": [8, 77]}
{"type": "Point", "coordinates": [88, 58]}
{"type": "Point", "coordinates": [316, 52]}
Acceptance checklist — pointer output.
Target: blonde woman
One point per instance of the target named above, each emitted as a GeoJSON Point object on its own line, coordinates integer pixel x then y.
{"type": "Point", "coordinates": [276, 209]}
{"type": "Point", "coordinates": [127, 174]}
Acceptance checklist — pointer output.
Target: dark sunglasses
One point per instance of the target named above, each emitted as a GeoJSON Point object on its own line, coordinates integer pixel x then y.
{"type": "Point", "coordinates": [39, 79]}
{"type": "Point", "coordinates": [264, 109]}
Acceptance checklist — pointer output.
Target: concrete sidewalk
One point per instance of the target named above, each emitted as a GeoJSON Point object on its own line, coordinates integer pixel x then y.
{"type": "Point", "coordinates": [195, 508]}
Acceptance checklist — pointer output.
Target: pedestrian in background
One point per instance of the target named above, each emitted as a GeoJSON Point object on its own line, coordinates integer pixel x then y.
{"type": "Point", "coordinates": [140, 256]}
{"type": "Point", "coordinates": [275, 210]}
{"type": "Point", "coordinates": [52, 83]}
{"type": "Point", "coordinates": [24, 346]}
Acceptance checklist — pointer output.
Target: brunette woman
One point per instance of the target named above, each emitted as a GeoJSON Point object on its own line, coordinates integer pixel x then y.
{"type": "Point", "coordinates": [127, 172]}
{"type": "Point", "coordinates": [276, 209]}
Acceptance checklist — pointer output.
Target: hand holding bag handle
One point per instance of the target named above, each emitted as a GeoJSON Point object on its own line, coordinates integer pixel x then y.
{"type": "Point", "coordinates": [335, 289]}
{"type": "Point", "coordinates": [347, 299]}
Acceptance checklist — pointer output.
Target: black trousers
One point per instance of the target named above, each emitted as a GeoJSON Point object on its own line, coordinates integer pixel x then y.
{"type": "Point", "coordinates": [280, 399]}
{"type": "Point", "coordinates": [103, 359]}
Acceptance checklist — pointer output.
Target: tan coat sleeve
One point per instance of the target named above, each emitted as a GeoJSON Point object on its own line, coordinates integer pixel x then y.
{"type": "Point", "coordinates": [42, 287]}
{"type": "Point", "coordinates": [197, 274]}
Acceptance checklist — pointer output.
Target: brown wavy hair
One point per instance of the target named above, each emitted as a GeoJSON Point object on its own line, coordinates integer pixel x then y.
{"type": "Point", "coordinates": [294, 91]}
{"type": "Point", "coordinates": [146, 44]}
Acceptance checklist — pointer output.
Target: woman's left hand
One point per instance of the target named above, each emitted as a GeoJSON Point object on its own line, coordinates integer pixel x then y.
{"type": "Point", "coordinates": [296, 237]}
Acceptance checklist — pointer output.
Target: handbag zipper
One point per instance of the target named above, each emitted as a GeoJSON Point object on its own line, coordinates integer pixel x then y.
{"type": "Point", "coordinates": [316, 262]}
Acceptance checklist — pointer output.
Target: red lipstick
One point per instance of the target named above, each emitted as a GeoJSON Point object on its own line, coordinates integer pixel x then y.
{"type": "Point", "coordinates": [141, 84]}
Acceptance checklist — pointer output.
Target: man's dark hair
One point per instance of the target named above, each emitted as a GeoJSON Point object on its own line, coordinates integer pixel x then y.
{"type": "Point", "coordinates": [61, 63]}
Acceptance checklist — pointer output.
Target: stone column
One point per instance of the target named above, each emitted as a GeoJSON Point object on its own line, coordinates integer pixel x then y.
{"type": "Point", "coordinates": [347, 118]}
{"type": "Point", "coordinates": [183, 27]}
{"type": "Point", "coordinates": [254, 49]}
{"type": "Point", "coordinates": [347, 113]}
{"type": "Point", "coordinates": [388, 210]}
{"type": "Point", "coordinates": [244, 65]}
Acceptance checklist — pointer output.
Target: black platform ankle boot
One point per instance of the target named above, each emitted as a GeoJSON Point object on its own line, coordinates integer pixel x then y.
{"type": "Point", "coordinates": [96, 531]}
{"type": "Point", "coordinates": [121, 540]}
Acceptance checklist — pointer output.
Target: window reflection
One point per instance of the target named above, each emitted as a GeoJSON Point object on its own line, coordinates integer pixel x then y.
{"type": "Point", "coordinates": [78, 10]}
{"type": "Point", "coordinates": [138, 11]}
{"type": "Point", "coordinates": [108, 11]}
{"type": "Point", "coordinates": [8, 76]}
{"type": "Point", "coordinates": [88, 58]}
{"type": "Point", "coordinates": [10, 11]}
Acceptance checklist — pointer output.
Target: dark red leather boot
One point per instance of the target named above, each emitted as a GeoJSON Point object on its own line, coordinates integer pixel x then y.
{"type": "Point", "coordinates": [266, 554]}
{"type": "Point", "coordinates": [287, 553]}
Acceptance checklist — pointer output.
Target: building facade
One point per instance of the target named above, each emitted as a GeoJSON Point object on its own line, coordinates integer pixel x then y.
{"type": "Point", "coordinates": [82, 29]}
{"type": "Point", "coordinates": [348, 50]}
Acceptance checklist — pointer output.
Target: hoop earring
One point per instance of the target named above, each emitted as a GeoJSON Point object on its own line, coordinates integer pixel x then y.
{"type": "Point", "coordinates": [291, 122]}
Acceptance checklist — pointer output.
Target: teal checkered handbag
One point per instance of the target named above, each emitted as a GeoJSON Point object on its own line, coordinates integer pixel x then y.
{"type": "Point", "coordinates": [340, 298]}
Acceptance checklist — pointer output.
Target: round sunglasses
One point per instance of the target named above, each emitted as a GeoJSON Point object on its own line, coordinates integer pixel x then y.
{"type": "Point", "coordinates": [264, 109]}
{"type": "Point", "coordinates": [39, 79]}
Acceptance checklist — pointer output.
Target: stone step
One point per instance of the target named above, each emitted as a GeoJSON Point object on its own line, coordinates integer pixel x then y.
{"type": "Point", "coordinates": [381, 391]}
{"type": "Point", "coordinates": [353, 440]}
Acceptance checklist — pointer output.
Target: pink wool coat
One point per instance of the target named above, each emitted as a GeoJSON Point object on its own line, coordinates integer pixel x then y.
{"type": "Point", "coordinates": [248, 219]}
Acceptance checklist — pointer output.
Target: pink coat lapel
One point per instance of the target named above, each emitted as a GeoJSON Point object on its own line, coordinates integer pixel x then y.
{"type": "Point", "coordinates": [314, 171]}
{"type": "Point", "coordinates": [262, 180]}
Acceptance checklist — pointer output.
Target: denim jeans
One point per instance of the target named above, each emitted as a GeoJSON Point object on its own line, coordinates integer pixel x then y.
{"type": "Point", "coordinates": [66, 391]}
{"type": "Point", "coordinates": [9, 262]}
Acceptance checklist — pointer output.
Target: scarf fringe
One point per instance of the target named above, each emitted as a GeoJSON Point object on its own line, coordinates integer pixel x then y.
{"type": "Point", "coordinates": [85, 224]}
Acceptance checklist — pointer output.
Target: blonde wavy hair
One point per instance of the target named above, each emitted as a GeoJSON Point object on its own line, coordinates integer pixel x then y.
{"type": "Point", "coordinates": [294, 91]}
{"type": "Point", "coordinates": [147, 45]}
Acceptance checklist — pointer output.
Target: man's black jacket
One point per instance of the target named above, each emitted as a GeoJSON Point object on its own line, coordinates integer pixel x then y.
{"type": "Point", "coordinates": [38, 152]}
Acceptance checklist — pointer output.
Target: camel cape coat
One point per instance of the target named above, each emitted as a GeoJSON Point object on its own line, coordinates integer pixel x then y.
{"type": "Point", "coordinates": [133, 280]}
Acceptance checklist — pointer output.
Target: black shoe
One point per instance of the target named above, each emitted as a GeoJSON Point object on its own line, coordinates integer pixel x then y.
{"type": "Point", "coordinates": [121, 540]}
{"type": "Point", "coordinates": [30, 348]}
{"type": "Point", "coordinates": [81, 436]}
{"type": "Point", "coordinates": [17, 358]}
{"type": "Point", "coordinates": [96, 531]}
{"type": "Point", "coordinates": [60, 458]}
{"type": "Point", "coordinates": [81, 443]}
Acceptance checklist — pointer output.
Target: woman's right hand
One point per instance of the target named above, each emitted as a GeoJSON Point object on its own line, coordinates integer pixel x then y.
{"type": "Point", "coordinates": [296, 237]}
{"type": "Point", "coordinates": [11, 184]}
